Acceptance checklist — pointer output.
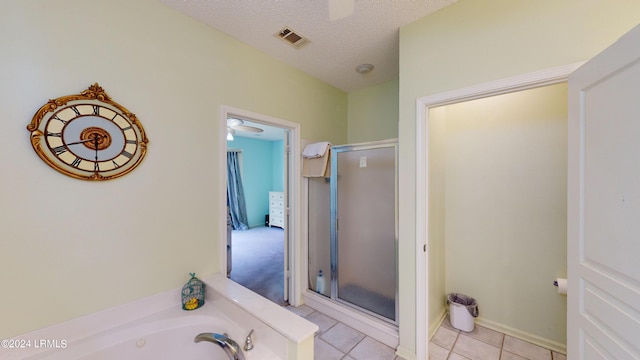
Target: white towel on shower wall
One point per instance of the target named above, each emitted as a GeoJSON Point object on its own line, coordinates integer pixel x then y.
{"type": "Point", "coordinates": [316, 150]}
{"type": "Point", "coordinates": [315, 162]}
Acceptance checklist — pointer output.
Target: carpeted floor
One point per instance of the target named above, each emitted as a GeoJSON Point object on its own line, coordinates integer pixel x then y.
{"type": "Point", "coordinates": [258, 261]}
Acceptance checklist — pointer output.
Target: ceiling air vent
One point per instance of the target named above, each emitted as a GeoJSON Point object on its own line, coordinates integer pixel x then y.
{"type": "Point", "coordinates": [292, 38]}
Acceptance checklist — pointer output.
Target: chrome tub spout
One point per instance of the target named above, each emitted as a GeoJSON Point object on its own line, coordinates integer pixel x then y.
{"type": "Point", "coordinates": [227, 344]}
{"type": "Point", "coordinates": [248, 342]}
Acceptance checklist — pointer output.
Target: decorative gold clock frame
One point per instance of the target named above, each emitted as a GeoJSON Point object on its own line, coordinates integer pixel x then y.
{"type": "Point", "coordinates": [88, 136]}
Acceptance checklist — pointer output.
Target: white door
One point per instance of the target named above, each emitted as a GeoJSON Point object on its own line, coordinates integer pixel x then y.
{"type": "Point", "coordinates": [603, 302]}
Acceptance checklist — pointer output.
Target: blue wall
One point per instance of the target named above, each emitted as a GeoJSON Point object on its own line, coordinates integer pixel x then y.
{"type": "Point", "coordinates": [262, 171]}
{"type": "Point", "coordinates": [277, 153]}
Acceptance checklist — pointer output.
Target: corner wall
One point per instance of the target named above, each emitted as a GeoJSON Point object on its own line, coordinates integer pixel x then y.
{"type": "Point", "coordinates": [74, 247]}
{"type": "Point", "coordinates": [473, 42]}
{"type": "Point", "coordinates": [505, 170]}
{"type": "Point", "coordinates": [373, 113]}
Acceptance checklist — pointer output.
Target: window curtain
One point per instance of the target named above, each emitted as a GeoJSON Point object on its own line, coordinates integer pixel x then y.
{"type": "Point", "coordinates": [235, 193]}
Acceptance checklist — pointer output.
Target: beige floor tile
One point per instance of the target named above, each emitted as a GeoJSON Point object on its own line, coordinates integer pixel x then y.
{"type": "Point", "coordinates": [370, 349]}
{"type": "Point", "coordinates": [525, 349]}
{"type": "Point", "coordinates": [558, 356]}
{"type": "Point", "coordinates": [342, 337]}
{"type": "Point", "coordinates": [324, 351]}
{"type": "Point", "coordinates": [437, 352]}
{"type": "Point", "coordinates": [475, 349]}
{"type": "Point", "coordinates": [323, 321]}
{"type": "Point", "coordinates": [302, 310]}
{"type": "Point", "coordinates": [445, 337]}
{"type": "Point", "coordinates": [489, 336]}
{"type": "Point", "coordinates": [509, 356]}
{"type": "Point", "coordinates": [455, 356]}
{"type": "Point", "coordinates": [447, 324]}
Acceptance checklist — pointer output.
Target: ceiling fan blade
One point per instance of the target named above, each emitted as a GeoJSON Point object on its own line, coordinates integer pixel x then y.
{"type": "Point", "coordinates": [246, 128]}
{"type": "Point", "coordinates": [339, 9]}
{"type": "Point", "coordinates": [234, 122]}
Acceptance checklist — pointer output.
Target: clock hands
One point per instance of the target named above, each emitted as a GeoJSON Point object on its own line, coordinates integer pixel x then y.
{"type": "Point", "coordinates": [95, 138]}
{"type": "Point", "coordinates": [95, 145]}
{"type": "Point", "coordinates": [81, 141]}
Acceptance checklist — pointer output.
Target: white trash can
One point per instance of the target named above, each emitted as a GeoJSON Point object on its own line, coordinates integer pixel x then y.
{"type": "Point", "coordinates": [462, 310]}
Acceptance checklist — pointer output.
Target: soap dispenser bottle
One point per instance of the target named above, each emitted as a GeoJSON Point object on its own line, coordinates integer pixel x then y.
{"type": "Point", "coordinates": [320, 282]}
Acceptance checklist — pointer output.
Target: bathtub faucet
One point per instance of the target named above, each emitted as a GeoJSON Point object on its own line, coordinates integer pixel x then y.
{"type": "Point", "coordinates": [248, 343]}
{"type": "Point", "coordinates": [227, 344]}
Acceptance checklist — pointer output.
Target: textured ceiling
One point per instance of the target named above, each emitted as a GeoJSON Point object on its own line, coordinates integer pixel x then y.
{"type": "Point", "coordinates": [369, 35]}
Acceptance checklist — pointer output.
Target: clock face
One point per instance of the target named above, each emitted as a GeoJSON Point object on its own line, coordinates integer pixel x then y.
{"type": "Point", "coordinates": [88, 136]}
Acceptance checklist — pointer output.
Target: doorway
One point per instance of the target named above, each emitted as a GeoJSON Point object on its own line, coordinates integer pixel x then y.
{"type": "Point", "coordinates": [262, 260]}
{"type": "Point", "coordinates": [425, 107]}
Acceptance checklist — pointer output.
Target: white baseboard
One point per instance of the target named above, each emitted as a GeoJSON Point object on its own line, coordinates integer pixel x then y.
{"type": "Point", "coordinates": [522, 335]}
{"type": "Point", "coordinates": [433, 327]}
{"type": "Point", "coordinates": [405, 354]}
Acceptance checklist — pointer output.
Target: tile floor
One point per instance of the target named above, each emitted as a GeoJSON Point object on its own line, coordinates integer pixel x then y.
{"type": "Point", "coordinates": [484, 344]}
{"type": "Point", "coordinates": [337, 341]}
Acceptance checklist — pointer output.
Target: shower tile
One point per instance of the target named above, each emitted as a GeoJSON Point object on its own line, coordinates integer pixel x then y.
{"type": "Point", "coordinates": [323, 321]}
{"type": "Point", "coordinates": [525, 349]}
{"type": "Point", "coordinates": [475, 349]}
{"type": "Point", "coordinates": [302, 310]}
{"type": "Point", "coordinates": [437, 352]}
{"type": "Point", "coordinates": [342, 337]}
{"type": "Point", "coordinates": [445, 338]}
{"type": "Point", "coordinates": [489, 336]}
{"type": "Point", "coordinates": [323, 350]}
{"type": "Point", "coordinates": [369, 349]}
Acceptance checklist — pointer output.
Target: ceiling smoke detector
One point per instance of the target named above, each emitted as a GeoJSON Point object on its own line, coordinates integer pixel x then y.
{"type": "Point", "coordinates": [292, 38]}
{"type": "Point", "coordinates": [364, 68]}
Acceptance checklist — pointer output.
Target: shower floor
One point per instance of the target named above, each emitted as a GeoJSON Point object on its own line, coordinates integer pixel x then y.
{"type": "Point", "coordinates": [368, 300]}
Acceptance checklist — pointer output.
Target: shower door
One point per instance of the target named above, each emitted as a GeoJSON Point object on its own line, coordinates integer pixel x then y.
{"type": "Point", "coordinates": [364, 230]}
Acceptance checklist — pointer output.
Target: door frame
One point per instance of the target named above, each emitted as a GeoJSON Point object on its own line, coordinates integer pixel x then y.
{"type": "Point", "coordinates": [423, 104]}
{"type": "Point", "coordinates": [292, 189]}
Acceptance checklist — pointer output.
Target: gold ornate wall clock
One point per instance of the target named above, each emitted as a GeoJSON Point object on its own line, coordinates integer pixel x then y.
{"type": "Point", "coordinates": [88, 136]}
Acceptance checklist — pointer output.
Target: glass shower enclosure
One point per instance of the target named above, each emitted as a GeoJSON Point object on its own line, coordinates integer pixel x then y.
{"type": "Point", "coordinates": [361, 251]}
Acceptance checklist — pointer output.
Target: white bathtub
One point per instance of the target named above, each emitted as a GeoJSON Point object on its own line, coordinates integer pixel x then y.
{"type": "Point", "coordinates": [157, 328]}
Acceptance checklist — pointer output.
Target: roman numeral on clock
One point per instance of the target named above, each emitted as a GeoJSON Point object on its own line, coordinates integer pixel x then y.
{"type": "Point", "coordinates": [59, 149]}
{"type": "Point", "coordinates": [55, 117]}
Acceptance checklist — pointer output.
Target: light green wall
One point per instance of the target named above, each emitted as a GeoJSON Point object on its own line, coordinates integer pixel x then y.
{"type": "Point", "coordinates": [504, 220]}
{"type": "Point", "coordinates": [471, 42]}
{"type": "Point", "coordinates": [373, 113]}
{"type": "Point", "coordinates": [437, 216]}
{"type": "Point", "coordinates": [72, 247]}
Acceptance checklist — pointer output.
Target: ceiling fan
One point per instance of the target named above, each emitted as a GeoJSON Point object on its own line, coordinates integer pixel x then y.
{"type": "Point", "coordinates": [339, 9]}
{"type": "Point", "coordinates": [234, 124]}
